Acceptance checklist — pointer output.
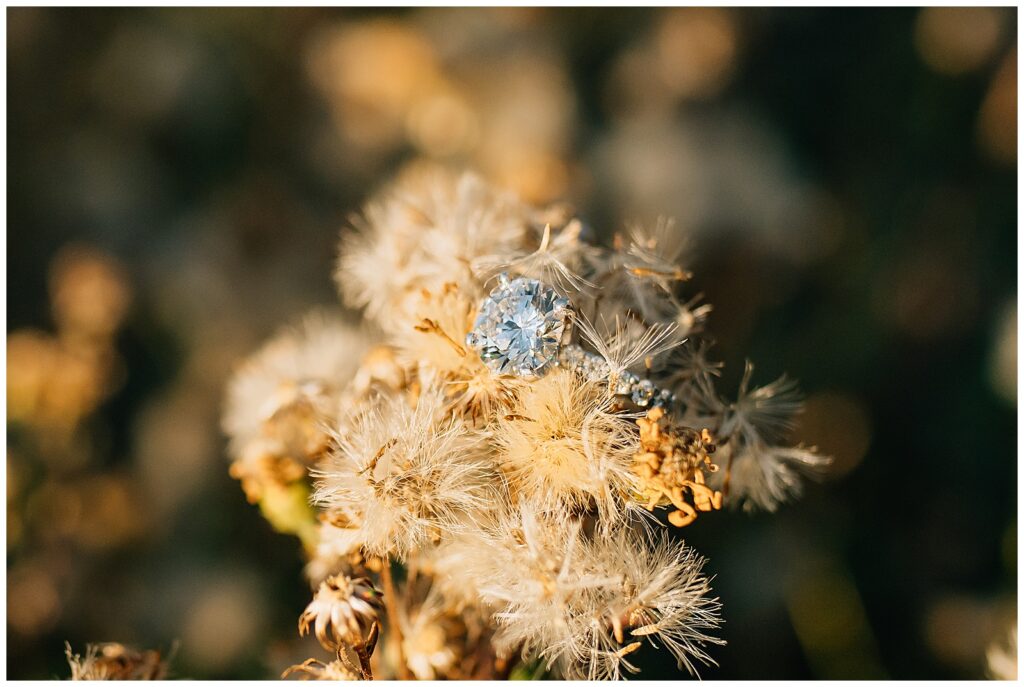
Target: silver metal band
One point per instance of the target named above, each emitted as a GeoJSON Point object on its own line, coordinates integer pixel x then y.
{"type": "Point", "coordinates": [639, 391]}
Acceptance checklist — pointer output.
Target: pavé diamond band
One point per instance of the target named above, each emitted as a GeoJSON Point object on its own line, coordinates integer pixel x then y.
{"type": "Point", "coordinates": [523, 329]}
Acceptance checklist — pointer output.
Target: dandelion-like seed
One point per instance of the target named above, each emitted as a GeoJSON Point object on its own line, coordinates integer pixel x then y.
{"type": "Point", "coordinates": [425, 230]}
{"type": "Point", "coordinates": [281, 400]}
{"type": "Point", "coordinates": [585, 604]}
{"type": "Point", "coordinates": [405, 477]}
{"type": "Point", "coordinates": [558, 259]}
{"type": "Point", "coordinates": [665, 597]}
{"type": "Point", "coordinates": [760, 472]}
{"type": "Point", "coordinates": [427, 645]}
{"type": "Point", "coordinates": [562, 447]}
{"type": "Point", "coordinates": [625, 345]}
{"type": "Point", "coordinates": [640, 276]}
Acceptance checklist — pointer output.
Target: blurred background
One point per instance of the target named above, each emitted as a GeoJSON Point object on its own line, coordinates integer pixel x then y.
{"type": "Point", "coordinates": [177, 179]}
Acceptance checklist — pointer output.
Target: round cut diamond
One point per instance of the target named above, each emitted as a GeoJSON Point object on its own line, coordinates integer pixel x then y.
{"type": "Point", "coordinates": [520, 327]}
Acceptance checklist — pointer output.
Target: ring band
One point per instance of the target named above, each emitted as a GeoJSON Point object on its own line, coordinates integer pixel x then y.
{"type": "Point", "coordinates": [640, 391]}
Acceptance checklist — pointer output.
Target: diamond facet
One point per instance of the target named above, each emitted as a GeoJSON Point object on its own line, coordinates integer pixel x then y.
{"type": "Point", "coordinates": [520, 327]}
{"type": "Point", "coordinates": [643, 392]}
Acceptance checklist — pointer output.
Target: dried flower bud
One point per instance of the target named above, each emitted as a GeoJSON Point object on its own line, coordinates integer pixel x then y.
{"type": "Point", "coordinates": [343, 612]}
{"type": "Point", "coordinates": [670, 465]}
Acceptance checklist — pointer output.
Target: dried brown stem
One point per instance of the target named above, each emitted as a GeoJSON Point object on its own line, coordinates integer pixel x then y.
{"type": "Point", "coordinates": [365, 650]}
{"type": "Point", "coordinates": [394, 627]}
{"type": "Point", "coordinates": [364, 663]}
{"type": "Point", "coordinates": [728, 475]}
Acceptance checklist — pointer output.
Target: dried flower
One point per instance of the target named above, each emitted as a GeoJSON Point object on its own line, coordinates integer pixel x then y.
{"type": "Point", "coordinates": [425, 231]}
{"type": "Point", "coordinates": [113, 661]}
{"type": "Point", "coordinates": [435, 347]}
{"type": "Point", "coordinates": [403, 476]}
{"type": "Point", "coordinates": [664, 596]}
{"type": "Point", "coordinates": [379, 369]}
{"type": "Point", "coordinates": [561, 446]}
{"type": "Point", "coordinates": [517, 498]}
{"type": "Point", "coordinates": [670, 465]}
{"type": "Point", "coordinates": [760, 473]}
{"type": "Point", "coordinates": [343, 612]}
{"type": "Point", "coordinates": [281, 400]}
{"type": "Point", "coordinates": [569, 599]}
{"type": "Point", "coordinates": [338, 670]}
{"type": "Point", "coordinates": [429, 649]}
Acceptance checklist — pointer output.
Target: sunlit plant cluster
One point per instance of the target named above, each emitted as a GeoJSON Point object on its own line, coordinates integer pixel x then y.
{"type": "Point", "coordinates": [487, 472]}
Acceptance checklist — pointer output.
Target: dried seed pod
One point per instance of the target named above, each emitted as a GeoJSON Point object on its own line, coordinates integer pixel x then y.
{"type": "Point", "coordinates": [343, 612]}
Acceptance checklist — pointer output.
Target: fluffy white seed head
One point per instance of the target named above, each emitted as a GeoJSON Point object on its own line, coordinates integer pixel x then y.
{"type": "Point", "coordinates": [427, 229]}
{"type": "Point", "coordinates": [428, 644]}
{"type": "Point", "coordinates": [405, 477]}
{"type": "Point", "coordinates": [515, 498]}
{"type": "Point", "coordinates": [763, 473]}
{"type": "Point", "coordinates": [583, 603]}
{"type": "Point", "coordinates": [563, 449]}
{"type": "Point", "coordinates": [560, 259]}
{"type": "Point", "coordinates": [664, 598]}
{"type": "Point", "coordinates": [295, 378]}
{"type": "Point", "coordinates": [641, 276]}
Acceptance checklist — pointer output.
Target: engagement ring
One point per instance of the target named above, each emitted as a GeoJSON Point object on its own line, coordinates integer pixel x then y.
{"type": "Point", "coordinates": [523, 329]}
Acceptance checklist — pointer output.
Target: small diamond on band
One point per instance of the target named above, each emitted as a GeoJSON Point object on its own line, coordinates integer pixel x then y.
{"type": "Point", "coordinates": [640, 391]}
